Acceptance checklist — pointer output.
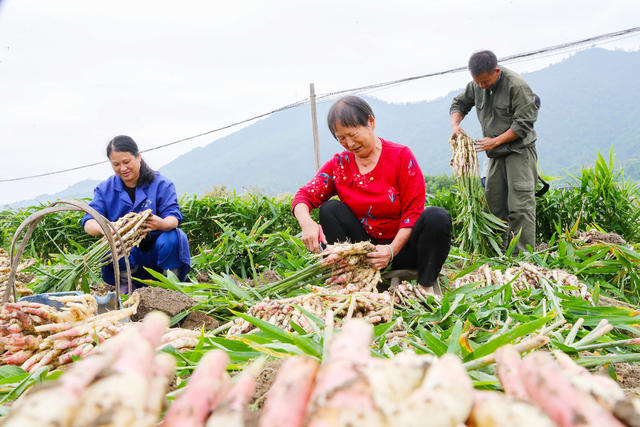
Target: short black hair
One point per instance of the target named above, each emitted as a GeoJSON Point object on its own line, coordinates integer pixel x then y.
{"type": "Point", "coordinates": [349, 111]}
{"type": "Point", "coordinates": [126, 144]}
{"type": "Point", "coordinates": [484, 61]}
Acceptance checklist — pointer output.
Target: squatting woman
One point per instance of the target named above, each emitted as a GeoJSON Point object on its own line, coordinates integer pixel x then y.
{"type": "Point", "coordinates": [135, 187]}
{"type": "Point", "coordinates": [381, 193]}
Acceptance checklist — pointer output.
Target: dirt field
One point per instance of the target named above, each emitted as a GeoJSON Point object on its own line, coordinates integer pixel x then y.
{"type": "Point", "coordinates": [196, 319]}
{"type": "Point", "coordinates": [264, 381]}
{"type": "Point", "coordinates": [629, 378]}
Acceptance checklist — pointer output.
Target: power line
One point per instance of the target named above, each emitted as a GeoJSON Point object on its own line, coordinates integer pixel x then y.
{"type": "Point", "coordinates": [259, 116]}
{"type": "Point", "coordinates": [511, 58]}
{"type": "Point", "coordinates": [572, 49]}
{"type": "Point", "coordinates": [606, 36]}
{"type": "Point", "coordinates": [277, 110]}
{"type": "Point", "coordinates": [552, 51]}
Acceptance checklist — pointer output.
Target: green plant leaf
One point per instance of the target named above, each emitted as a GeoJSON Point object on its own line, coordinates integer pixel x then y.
{"type": "Point", "coordinates": [266, 327]}
{"type": "Point", "coordinates": [433, 343]}
{"type": "Point", "coordinates": [454, 338]}
{"type": "Point", "coordinates": [506, 338]}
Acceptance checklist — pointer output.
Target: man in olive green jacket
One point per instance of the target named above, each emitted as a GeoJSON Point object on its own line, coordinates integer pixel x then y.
{"type": "Point", "coordinates": [506, 110]}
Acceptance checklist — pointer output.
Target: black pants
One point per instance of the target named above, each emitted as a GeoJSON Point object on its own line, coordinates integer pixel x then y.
{"type": "Point", "coordinates": [426, 250]}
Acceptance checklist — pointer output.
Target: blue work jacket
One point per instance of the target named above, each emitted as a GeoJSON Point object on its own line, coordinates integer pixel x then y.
{"type": "Point", "coordinates": [111, 199]}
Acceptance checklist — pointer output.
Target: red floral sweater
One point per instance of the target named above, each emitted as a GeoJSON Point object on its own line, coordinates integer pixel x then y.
{"type": "Point", "coordinates": [388, 198]}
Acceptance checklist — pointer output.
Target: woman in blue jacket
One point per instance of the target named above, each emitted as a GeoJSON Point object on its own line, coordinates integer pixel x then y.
{"type": "Point", "coordinates": [135, 187]}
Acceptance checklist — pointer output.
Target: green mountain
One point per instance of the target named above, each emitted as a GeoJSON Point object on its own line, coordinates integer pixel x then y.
{"type": "Point", "coordinates": [588, 105]}
{"type": "Point", "coordinates": [78, 190]}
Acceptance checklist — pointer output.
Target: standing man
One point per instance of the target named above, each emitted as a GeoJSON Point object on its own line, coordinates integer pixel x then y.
{"type": "Point", "coordinates": [506, 110]}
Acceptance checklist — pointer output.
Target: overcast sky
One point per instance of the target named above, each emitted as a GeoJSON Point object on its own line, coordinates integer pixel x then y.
{"type": "Point", "coordinates": [73, 74]}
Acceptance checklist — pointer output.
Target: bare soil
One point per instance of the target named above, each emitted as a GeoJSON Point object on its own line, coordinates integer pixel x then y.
{"type": "Point", "coordinates": [101, 289]}
{"type": "Point", "coordinates": [203, 277]}
{"type": "Point", "coordinates": [267, 276]}
{"type": "Point", "coordinates": [165, 300]}
{"type": "Point", "coordinates": [593, 236]}
{"type": "Point", "coordinates": [264, 381]}
{"type": "Point", "coordinates": [25, 277]}
{"type": "Point", "coordinates": [629, 378]}
{"type": "Point", "coordinates": [542, 247]}
{"type": "Point", "coordinates": [196, 319]}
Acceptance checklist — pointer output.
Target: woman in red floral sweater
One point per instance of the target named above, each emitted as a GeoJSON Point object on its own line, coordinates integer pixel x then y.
{"type": "Point", "coordinates": [382, 195]}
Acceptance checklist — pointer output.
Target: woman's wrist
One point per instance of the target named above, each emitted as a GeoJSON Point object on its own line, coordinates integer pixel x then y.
{"type": "Point", "coordinates": [168, 223]}
{"type": "Point", "coordinates": [392, 253]}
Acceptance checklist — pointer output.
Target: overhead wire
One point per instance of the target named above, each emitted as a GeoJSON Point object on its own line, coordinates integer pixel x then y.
{"type": "Point", "coordinates": [510, 58]}
{"type": "Point", "coordinates": [259, 116]}
{"type": "Point", "coordinates": [559, 52]}
{"type": "Point", "coordinates": [533, 54]}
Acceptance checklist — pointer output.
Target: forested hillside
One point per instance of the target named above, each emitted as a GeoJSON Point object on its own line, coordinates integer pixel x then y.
{"type": "Point", "coordinates": [588, 105]}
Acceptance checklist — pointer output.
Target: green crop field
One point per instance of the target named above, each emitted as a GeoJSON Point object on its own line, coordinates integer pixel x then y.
{"type": "Point", "coordinates": [243, 236]}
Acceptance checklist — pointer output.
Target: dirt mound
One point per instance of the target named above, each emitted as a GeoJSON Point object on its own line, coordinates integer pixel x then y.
{"type": "Point", "coordinates": [629, 378]}
{"type": "Point", "coordinates": [594, 236]}
{"type": "Point", "coordinates": [165, 300]}
{"type": "Point", "coordinates": [264, 381]}
{"type": "Point", "coordinates": [267, 276]}
{"type": "Point", "coordinates": [542, 247]}
{"type": "Point", "coordinates": [196, 319]}
{"type": "Point", "coordinates": [203, 277]}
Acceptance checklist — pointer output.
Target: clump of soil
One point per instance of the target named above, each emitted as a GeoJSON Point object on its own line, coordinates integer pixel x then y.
{"type": "Point", "coordinates": [165, 300]}
{"type": "Point", "coordinates": [594, 236]}
{"type": "Point", "coordinates": [101, 289]}
{"type": "Point", "coordinates": [202, 277]}
{"type": "Point", "coordinates": [628, 378]}
{"type": "Point", "coordinates": [196, 319]}
{"type": "Point", "coordinates": [264, 381]}
{"type": "Point", "coordinates": [542, 247]}
{"type": "Point", "coordinates": [173, 385]}
{"type": "Point", "coordinates": [25, 277]}
{"type": "Point", "coordinates": [267, 276]}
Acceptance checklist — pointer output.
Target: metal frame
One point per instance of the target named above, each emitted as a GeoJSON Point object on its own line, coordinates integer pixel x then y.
{"type": "Point", "coordinates": [64, 205]}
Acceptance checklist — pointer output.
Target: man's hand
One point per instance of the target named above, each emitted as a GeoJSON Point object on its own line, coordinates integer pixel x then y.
{"type": "Point", "coordinates": [486, 144]}
{"type": "Point", "coordinates": [456, 118]}
{"type": "Point", "coordinates": [455, 130]}
{"type": "Point", "coordinates": [380, 257]}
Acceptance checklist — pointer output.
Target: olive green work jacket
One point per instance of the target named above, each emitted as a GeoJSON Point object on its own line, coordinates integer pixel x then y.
{"type": "Point", "coordinates": [509, 103]}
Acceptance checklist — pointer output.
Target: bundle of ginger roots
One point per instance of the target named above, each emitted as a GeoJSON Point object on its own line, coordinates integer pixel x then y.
{"type": "Point", "coordinates": [349, 291]}
{"type": "Point", "coordinates": [124, 381]}
{"type": "Point", "coordinates": [34, 335]}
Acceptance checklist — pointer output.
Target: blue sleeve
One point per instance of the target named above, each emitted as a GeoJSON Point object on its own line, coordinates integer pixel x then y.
{"type": "Point", "coordinates": [167, 203]}
{"type": "Point", "coordinates": [98, 203]}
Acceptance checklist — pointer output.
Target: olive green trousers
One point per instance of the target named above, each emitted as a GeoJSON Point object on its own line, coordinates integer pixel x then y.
{"type": "Point", "coordinates": [510, 191]}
